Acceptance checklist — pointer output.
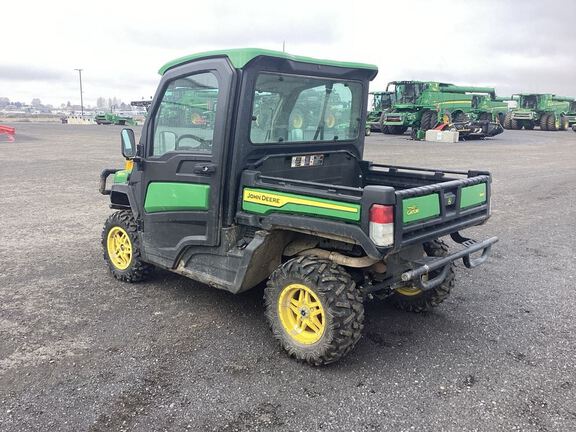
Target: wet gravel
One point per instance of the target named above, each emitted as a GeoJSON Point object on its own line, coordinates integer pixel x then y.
{"type": "Point", "coordinates": [82, 351]}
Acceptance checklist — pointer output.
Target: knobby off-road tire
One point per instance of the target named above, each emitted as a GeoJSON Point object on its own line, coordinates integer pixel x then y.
{"type": "Point", "coordinates": [326, 284]}
{"type": "Point", "coordinates": [551, 123]}
{"type": "Point", "coordinates": [414, 300]}
{"type": "Point", "coordinates": [120, 233]}
{"type": "Point", "coordinates": [544, 122]}
{"type": "Point", "coordinates": [501, 119]}
{"type": "Point", "coordinates": [564, 123]}
{"type": "Point", "coordinates": [529, 125]}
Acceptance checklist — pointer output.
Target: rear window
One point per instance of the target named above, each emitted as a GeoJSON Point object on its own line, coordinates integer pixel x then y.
{"type": "Point", "coordinates": [293, 108]}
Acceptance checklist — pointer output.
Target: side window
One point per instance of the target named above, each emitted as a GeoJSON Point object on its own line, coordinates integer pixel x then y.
{"type": "Point", "coordinates": [185, 118]}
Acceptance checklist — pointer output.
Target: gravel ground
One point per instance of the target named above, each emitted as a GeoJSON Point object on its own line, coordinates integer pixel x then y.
{"type": "Point", "coordinates": [82, 351]}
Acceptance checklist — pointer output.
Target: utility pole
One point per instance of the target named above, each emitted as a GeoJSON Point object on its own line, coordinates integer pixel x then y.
{"type": "Point", "coordinates": [81, 97]}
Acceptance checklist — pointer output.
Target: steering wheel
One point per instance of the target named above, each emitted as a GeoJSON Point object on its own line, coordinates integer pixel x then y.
{"type": "Point", "coordinates": [204, 143]}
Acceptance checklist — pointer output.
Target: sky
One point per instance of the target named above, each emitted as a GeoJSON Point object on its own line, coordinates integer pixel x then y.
{"type": "Point", "coordinates": [512, 45]}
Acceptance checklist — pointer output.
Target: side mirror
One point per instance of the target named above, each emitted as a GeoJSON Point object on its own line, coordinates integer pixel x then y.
{"type": "Point", "coordinates": [128, 143]}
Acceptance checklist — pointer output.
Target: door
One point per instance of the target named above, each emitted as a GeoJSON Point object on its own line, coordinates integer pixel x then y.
{"type": "Point", "coordinates": [182, 170]}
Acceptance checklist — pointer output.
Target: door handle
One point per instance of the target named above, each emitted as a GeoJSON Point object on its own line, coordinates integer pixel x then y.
{"type": "Point", "coordinates": [204, 169]}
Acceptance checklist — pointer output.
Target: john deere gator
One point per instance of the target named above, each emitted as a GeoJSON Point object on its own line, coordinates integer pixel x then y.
{"type": "Point", "coordinates": [422, 105]}
{"type": "Point", "coordinates": [286, 199]}
{"type": "Point", "coordinates": [546, 110]}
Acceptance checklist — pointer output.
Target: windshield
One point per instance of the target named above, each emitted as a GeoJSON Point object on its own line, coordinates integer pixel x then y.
{"type": "Point", "coordinates": [529, 102]}
{"type": "Point", "coordinates": [380, 101]}
{"type": "Point", "coordinates": [292, 108]}
{"type": "Point", "coordinates": [407, 93]}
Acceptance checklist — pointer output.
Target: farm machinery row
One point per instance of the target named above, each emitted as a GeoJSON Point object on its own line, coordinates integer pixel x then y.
{"type": "Point", "coordinates": [474, 111]}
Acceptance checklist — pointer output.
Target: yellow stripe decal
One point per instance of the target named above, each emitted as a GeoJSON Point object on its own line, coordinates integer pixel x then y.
{"type": "Point", "coordinates": [275, 200]}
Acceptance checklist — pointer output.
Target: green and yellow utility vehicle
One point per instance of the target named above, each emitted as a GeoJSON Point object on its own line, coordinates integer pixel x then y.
{"type": "Point", "coordinates": [546, 110]}
{"type": "Point", "coordinates": [286, 198]}
{"type": "Point", "coordinates": [422, 105]}
{"type": "Point", "coordinates": [379, 103]}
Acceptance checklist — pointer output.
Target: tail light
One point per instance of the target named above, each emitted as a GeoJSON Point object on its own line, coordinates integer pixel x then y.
{"type": "Point", "coordinates": [382, 225]}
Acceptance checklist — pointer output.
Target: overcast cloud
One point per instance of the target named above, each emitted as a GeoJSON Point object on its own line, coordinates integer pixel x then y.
{"type": "Point", "coordinates": [512, 45]}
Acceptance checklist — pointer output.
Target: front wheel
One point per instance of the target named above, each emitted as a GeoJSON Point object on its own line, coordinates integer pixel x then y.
{"type": "Point", "coordinates": [121, 247]}
{"type": "Point", "coordinates": [314, 309]}
{"type": "Point", "coordinates": [413, 299]}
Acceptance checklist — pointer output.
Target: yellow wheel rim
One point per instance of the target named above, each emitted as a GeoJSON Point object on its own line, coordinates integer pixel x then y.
{"type": "Point", "coordinates": [330, 120]}
{"type": "Point", "coordinates": [297, 121]}
{"type": "Point", "coordinates": [301, 314]}
{"type": "Point", "coordinates": [119, 248]}
{"type": "Point", "coordinates": [409, 291]}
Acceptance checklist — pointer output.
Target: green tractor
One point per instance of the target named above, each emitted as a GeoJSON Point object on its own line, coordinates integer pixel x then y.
{"type": "Point", "coordinates": [422, 105]}
{"type": "Point", "coordinates": [286, 200]}
{"type": "Point", "coordinates": [546, 110]}
{"type": "Point", "coordinates": [380, 102]}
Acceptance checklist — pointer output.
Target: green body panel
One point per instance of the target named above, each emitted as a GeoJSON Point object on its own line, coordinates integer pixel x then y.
{"type": "Point", "coordinates": [168, 196]}
{"type": "Point", "coordinates": [241, 56]}
{"type": "Point", "coordinates": [419, 208]}
{"type": "Point", "coordinates": [301, 204]}
{"type": "Point", "coordinates": [473, 195]}
{"type": "Point", "coordinates": [121, 176]}
{"type": "Point", "coordinates": [440, 97]}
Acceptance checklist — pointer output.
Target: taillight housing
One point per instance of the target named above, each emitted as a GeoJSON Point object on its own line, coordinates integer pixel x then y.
{"type": "Point", "coordinates": [382, 225]}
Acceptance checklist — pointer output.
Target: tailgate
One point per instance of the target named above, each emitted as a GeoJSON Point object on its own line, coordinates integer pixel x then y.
{"type": "Point", "coordinates": [435, 210]}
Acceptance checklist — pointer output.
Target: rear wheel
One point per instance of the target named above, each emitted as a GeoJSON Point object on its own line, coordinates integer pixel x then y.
{"type": "Point", "coordinates": [564, 123]}
{"type": "Point", "coordinates": [121, 246]}
{"type": "Point", "coordinates": [368, 131]}
{"type": "Point", "coordinates": [529, 125]}
{"type": "Point", "coordinates": [314, 309]}
{"type": "Point", "coordinates": [501, 119]}
{"type": "Point", "coordinates": [544, 122]}
{"type": "Point", "coordinates": [413, 299]}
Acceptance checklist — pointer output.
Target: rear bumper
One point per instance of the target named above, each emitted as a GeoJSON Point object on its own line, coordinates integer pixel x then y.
{"type": "Point", "coordinates": [419, 275]}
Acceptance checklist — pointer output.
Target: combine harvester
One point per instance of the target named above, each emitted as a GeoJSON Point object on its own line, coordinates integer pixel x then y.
{"type": "Point", "coordinates": [381, 102]}
{"type": "Point", "coordinates": [546, 110]}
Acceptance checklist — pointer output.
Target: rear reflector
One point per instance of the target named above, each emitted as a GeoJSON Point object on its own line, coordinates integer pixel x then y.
{"type": "Point", "coordinates": [381, 214]}
{"type": "Point", "coordinates": [382, 225]}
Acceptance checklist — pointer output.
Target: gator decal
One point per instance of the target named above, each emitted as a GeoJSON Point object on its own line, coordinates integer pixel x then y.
{"type": "Point", "coordinates": [168, 196]}
{"type": "Point", "coordinates": [264, 201]}
{"type": "Point", "coordinates": [473, 195]}
{"type": "Point", "coordinates": [419, 208]}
